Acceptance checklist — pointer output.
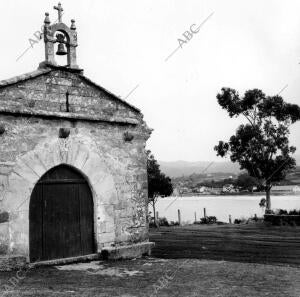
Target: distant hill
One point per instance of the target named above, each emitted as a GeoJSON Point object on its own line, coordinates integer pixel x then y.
{"type": "Point", "coordinates": [179, 168]}
{"type": "Point", "coordinates": [293, 178]}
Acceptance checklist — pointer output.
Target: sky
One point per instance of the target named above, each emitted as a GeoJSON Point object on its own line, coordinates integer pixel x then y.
{"type": "Point", "coordinates": [126, 47]}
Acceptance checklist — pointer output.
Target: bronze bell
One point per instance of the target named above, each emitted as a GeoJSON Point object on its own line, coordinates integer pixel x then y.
{"type": "Point", "coordinates": [61, 51]}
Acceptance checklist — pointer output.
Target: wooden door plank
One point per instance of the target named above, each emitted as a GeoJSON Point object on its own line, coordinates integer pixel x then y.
{"type": "Point", "coordinates": [61, 216]}
{"type": "Point", "coordinates": [36, 225]}
{"type": "Point", "coordinates": [86, 219]}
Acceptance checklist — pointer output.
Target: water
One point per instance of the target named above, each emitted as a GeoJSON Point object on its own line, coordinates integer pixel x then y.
{"type": "Point", "coordinates": [221, 206]}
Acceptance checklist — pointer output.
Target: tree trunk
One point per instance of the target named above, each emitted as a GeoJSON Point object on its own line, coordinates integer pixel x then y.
{"type": "Point", "coordinates": [268, 199]}
{"type": "Point", "coordinates": [154, 214]}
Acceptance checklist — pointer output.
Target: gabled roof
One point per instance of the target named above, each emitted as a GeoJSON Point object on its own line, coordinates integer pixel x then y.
{"type": "Point", "coordinates": [23, 77]}
{"type": "Point", "coordinates": [45, 70]}
{"type": "Point", "coordinates": [108, 92]}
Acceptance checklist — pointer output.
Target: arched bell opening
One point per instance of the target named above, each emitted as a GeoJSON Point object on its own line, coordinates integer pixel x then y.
{"type": "Point", "coordinates": [62, 48]}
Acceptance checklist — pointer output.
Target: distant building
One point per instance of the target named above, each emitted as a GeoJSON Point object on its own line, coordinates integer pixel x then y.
{"type": "Point", "coordinates": [203, 189]}
{"type": "Point", "coordinates": [288, 188]}
{"type": "Point", "coordinates": [184, 190]}
{"type": "Point", "coordinates": [215, 190]}
{"type": "Point", "coordinates": [229, 188]}
{"type": "Point", "coordinates": [176, 192]}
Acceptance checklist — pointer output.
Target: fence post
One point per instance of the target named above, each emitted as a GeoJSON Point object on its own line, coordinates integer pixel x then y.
{"type": "Point", "coordinates": [204, 212]}
{"type": "Point", "coordinates": [195, 214]}
{"type": "Point", "coordinates": [179, 217]}
{"type": "Point", "coordinates": [230, 222]}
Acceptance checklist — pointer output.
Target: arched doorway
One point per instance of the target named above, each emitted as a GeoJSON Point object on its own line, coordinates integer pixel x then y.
{"type": "Point", "coordinates": [61, 216]}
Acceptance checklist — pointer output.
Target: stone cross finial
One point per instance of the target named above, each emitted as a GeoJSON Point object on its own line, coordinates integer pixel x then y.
{"type": "Point", "coordinates": [60, 10]}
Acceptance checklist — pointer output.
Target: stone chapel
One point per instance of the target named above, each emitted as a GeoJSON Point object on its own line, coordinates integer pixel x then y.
{"type": "Point", "coordinates": [73, 167]}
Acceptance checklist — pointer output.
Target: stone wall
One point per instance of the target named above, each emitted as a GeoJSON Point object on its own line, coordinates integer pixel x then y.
{"type": "Point", "coordinates": [107, 145]}
{"type": "Point", "coordinates": [47, 91]}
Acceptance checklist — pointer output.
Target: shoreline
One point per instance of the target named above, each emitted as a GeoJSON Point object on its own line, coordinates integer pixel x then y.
{"type": "Point", "coordinates": [235, 194]}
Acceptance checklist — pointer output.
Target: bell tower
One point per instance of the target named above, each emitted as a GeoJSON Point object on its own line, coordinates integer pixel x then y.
{"type": "Point", "coordinates": [65, 36]}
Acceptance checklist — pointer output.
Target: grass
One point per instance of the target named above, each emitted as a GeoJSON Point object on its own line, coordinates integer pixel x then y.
{"type": "Point", "coordinates": [254, 243]}
{"type": "Point", "coordinates": [154, 277]}
{"type": "Point", "coordinates": [187, 261]}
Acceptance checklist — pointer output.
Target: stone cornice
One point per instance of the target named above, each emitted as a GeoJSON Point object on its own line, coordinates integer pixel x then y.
{"type": "Point", "coordinates": [68, 116]}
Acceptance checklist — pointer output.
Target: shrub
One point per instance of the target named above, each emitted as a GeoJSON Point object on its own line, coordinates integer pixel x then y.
{"type": "Point", "coordinates": [163, 222]}
{"type": "Point", "coordinates": [255, 218]}
{"type": "Point", "coordinates": [285, 212]}
{"type": "Point", "coordinates": [294, 212]}
{"type": "Point", "coordinates": [281, 212]}
{"type": "Point", "coordinates": [240, 221]}
{"type": "Point", "coordinates": [208, 220]}
{"type": "Point", "coordinates": [262, 202]}
{"type": "Point", "coordinates": [151, 222]}
{"type": "Point", "coordinates": [282, 217]}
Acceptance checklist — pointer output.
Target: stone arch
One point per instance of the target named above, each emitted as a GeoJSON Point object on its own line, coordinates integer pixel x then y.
{"type": "Point", "coordinates": [33, 165]}
{"type": "Point", "coordinates": [69, 33]}
{"type": "Point", "coordinates": [64, 190]}
{"type": "Point", "coordinates": [61, 27]}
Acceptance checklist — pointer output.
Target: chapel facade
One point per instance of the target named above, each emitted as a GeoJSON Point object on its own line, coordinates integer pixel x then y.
{"type": "Point", "coordinates": [73, 167]}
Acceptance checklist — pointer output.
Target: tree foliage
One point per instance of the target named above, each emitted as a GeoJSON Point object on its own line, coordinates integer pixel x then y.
{"type": "Point", "coordinates": [245, 181]}
{"type": "Point", "coordinates": [158, 183]}
{"type": "Point", "coordinates": [261, 146]}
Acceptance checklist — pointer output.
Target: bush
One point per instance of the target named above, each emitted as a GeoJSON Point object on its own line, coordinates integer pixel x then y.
{"type": "Point", "coordinates": [279, 212]}
{"type": "Point", "coordinates": [282, 217]}
{"type": "Point", "coordinates": [262, 202]}
{"type": "Point", "coordinates": [294, 212]}
{"type": "Point", "coordinates": [240, 221]}
{"type": "Point", "coordinates": [208, 220]}
{"type": "Point", "coordinates": [255, 218]}
{"type": "Point", "coordinates": [163, 222]}
{"type": "Point", "coordinates": [151, 222]}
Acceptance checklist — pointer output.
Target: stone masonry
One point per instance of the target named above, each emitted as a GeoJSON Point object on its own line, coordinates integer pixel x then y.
{"type": "Point", "coordinates": [106, 143]}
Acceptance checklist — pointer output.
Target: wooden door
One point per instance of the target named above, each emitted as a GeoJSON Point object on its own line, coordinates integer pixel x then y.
{"type": "Point", "coordinates": [61, 213]}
